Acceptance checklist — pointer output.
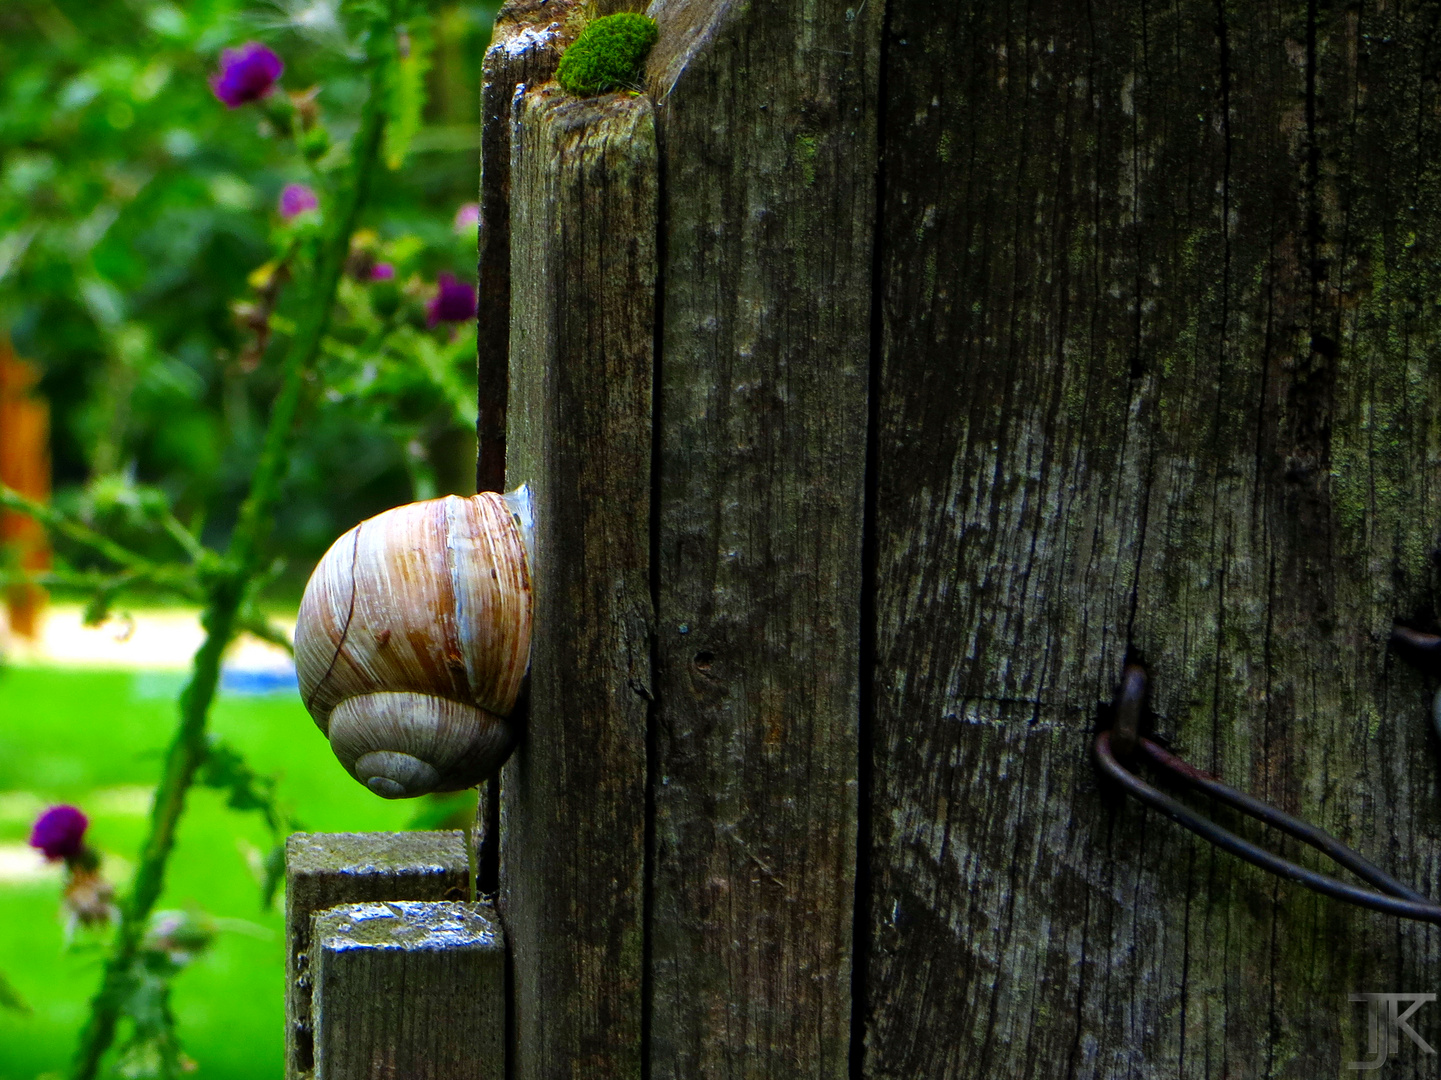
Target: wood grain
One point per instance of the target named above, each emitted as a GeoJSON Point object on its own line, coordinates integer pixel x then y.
{"type": "Point", "coordinates": [412, 990]}
{"type": "Point", "coordinates": [768, 123]}
{"type": "Point", "coordinates": [326, 869]}
{"type": "Point", "coordinates": [573, 798]}
{"type": "Point", "coordinates": [1158, 327]}
{"type": "Point", "coordinates": [525, 47]}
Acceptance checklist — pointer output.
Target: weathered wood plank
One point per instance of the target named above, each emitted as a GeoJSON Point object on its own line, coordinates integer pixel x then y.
{"type": "Point", "coordinates": [1158, 306]}
{"type": "Point", "coordinates": [326, 869]}
{"type": "Point", "coordinates": [583, 219]}
{"type": "Point", "coordinates": [406, 989]}
{"type": "Point", "coordinates": [525, 47]}
{"type": "Point", "coordinates": [768, 122]}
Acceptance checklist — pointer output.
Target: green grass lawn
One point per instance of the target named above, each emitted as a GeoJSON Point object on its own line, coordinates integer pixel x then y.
{"type": "Point", "coordinates": [94, 738]}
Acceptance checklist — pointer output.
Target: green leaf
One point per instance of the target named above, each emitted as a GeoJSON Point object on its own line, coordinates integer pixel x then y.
{"type": "Point", "coordinates": [405, 101]}
{"type": "Point", "coordinates": [245, 789]}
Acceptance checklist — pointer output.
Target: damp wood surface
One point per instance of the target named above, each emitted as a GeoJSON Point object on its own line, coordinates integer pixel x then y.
{"type": "Point", "coordinates": [406, 989]}
{"type": "Point", "coordinates": [1158, 295]}
{"type": "Point", "coordinates": [323, 870]}
{"type": "Point", "coordinates": [768, 123]}
{"type": "Point", "coordinates": [573, 798]}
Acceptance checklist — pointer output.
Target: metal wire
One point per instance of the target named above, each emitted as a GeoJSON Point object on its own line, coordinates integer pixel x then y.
{"type": "Point", "coordinates": [1394, 898]}
{"type": "Point", "coordinates": [1129, 702]}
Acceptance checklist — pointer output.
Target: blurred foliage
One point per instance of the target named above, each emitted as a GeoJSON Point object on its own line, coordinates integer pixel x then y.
{"type": "Point", "coordinates": [10, 997]}
{"type": "Point", "coordinates": [225, 770]}
{"type": "Point", "coordinates": [142, 259]}
{"type": "Point", "coordinates": [173, 940]}
{"type": "Point", "coordinates": [149, 239]}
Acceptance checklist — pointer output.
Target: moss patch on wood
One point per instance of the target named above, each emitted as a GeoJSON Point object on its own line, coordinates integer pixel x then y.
{"type": "Point", "coordinates": [608, 54]}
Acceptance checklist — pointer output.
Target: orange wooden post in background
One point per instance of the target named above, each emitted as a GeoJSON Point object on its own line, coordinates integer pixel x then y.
{"type": "Point", "coordinates": [25, 467]}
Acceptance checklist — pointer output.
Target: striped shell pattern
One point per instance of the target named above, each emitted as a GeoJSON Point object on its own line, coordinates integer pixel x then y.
{"type": "Point", "coordinates": [413, 640]}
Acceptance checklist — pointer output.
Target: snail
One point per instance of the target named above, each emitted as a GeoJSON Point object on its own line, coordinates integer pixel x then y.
{"type": "Point", "coordinates": [413, 640]}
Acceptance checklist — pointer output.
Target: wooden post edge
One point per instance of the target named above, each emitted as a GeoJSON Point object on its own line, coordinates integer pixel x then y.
{"type": "Point", "coordinates": [417, 988]}
{"type": "Point", "coordinates": [323, 870]}
{"type": "Point", "coordinates": [584, 205]}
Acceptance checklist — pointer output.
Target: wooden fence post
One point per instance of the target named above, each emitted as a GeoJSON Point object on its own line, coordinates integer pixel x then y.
{"type": "Point", "coordinates": [678, 867]}
{"type": "Point", "coordinates": [525, 48]}
{"type": "Point", "coordinates": [1156, 376]}
{"type": "Point", "coordinates": [407, 989]}
{"type": "Point", "coordinates": [583, 220]}
{"type": "Point", "coordinates": [880, 394]}
{"type": "Point", "coordinates": [885, 377]}
{"type": "Point", "coordinates": [767, 118]}
{"type": "Point", "coordinates": [323, 870]}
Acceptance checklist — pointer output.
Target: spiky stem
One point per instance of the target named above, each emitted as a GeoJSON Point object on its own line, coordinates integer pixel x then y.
{"type": "Point", "coordinates": [226, 587]}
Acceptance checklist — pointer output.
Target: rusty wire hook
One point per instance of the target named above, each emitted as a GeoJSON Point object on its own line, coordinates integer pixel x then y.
{"type": "Point", "coordinates": [1389, 895]}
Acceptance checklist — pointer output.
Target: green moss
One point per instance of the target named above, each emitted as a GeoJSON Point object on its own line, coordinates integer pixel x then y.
{"type": "Point", "coordinates": [806, 157]}
{"type": "Point", "coordinates": [608, 54]}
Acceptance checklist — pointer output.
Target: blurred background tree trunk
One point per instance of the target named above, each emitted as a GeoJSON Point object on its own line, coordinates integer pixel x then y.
{"type": "Point", "coordinates": [24, 467]}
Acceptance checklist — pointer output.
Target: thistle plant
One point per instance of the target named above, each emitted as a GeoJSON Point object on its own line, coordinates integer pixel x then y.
{"type": "Point", "coordinates": [227, 579]}
{"type": "Point", "coordinates": [59, 834]}
{"type": "Point", "coordinates": [246, 74]}
{"type": "Point", "coordinates": [331, 319]}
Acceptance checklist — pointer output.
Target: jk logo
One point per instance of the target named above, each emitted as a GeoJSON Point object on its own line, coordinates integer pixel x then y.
{"type": "Point", "coordinates": [1386, 1021]}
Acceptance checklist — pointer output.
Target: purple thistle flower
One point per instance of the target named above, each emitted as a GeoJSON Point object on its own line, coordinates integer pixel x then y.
{"type": "Point", "coordinates": [59, 832]}
{"type": "Point", "coordinates": [295, 200]}
{"type": "Point", "coordinates": [454, 301]}
{"type": "Point", "coordinates": [246, 74]}
{"type": "Point", "coordinates": [467, 218]}
{"type": "Point", "coordinates": [382, 272]}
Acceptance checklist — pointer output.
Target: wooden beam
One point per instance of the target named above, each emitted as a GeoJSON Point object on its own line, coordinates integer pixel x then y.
{"type": "Point", "coordinates": [525, 48]}
{"type": "Point", "coordinates": [407, 989]}
{"type": "Point", "coordinates": [1156, 377]}
{"type": "Point", "coordinates": [583, 218]}
{"type": "Point", "coordinates": [767, 115]}
{"type": "Point", "coordinates": [326, 869]}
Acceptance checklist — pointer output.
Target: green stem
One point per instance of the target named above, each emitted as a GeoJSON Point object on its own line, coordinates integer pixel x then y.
{"type": "Point", "coordinates": [95, 583]}
{"type": "Point", "coordinates": [68, 527]}
{"type": "Point", "coordinates": [253, 622]}
{"type": "Point", "coordinates": [182, 536]}
{"type": "Point", "coordinates": [226, 591]}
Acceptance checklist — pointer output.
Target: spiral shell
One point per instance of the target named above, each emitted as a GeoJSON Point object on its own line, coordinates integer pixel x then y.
{"type": "Point", "coordinates": [413, 640]}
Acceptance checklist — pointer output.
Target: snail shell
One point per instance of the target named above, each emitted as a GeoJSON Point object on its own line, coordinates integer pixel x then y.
{"type": "Point", "coordinates": [413, 640]}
